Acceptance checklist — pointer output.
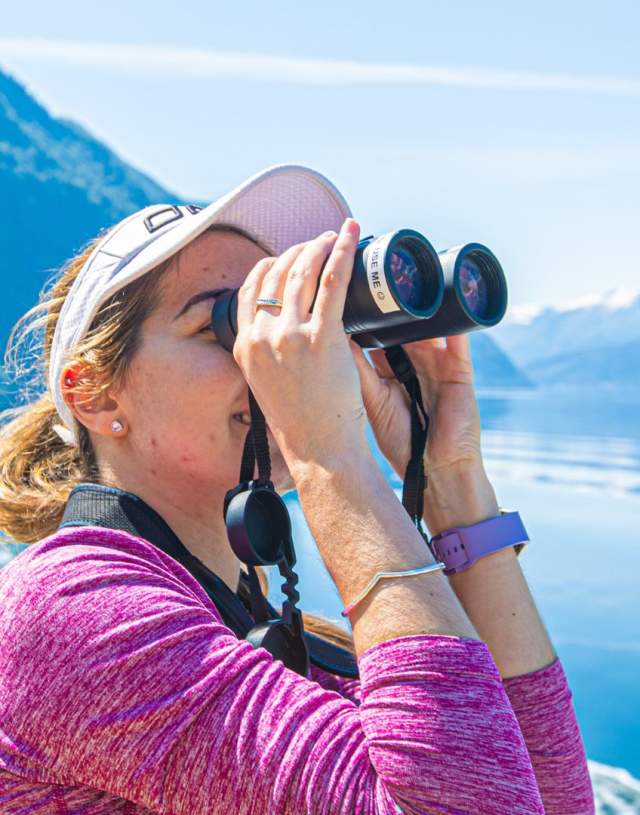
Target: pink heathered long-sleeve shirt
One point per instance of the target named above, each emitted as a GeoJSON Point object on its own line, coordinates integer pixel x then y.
{"type": "Point", "coordinates": [122, 691]}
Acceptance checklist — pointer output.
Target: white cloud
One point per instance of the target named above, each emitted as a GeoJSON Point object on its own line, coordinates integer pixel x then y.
{"type": "Point", "coordinates": [194, 63]}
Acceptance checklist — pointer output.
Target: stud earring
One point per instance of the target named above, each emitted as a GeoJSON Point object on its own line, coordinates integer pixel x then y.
{"type": "Point", "coordinates": [117, 426]}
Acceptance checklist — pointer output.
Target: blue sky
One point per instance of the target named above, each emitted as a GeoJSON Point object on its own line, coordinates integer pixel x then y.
{"type": "Point", "coordinates": [515, 124]}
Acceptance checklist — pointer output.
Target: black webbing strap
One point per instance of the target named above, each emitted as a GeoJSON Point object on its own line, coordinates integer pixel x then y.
{"type": "Point", "coordinates": [256, 446]}
{"type": "Point", "coordinates": [415, 479]}
{"type": "Point", "coordinates": [112, 508]}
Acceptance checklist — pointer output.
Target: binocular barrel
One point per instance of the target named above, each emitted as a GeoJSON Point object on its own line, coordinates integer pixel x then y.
{"type": "Point", "coordinates": [401, 290]}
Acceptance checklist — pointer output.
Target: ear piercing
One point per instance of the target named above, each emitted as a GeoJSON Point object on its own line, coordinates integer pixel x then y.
{"type": "Point", "coordinates": [70, 377]}
{"type": "Point", "coordinates": [117, 426]}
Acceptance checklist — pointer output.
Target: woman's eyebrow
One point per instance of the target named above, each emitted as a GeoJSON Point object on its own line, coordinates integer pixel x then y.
{"type": "Point", "coordinates": [198, 298]}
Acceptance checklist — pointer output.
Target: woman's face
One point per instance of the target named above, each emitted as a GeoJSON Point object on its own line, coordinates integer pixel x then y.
{"type": "Point", "coordinates": [184, 391]}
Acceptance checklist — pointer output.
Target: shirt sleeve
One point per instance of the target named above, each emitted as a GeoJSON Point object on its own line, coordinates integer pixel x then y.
{"type": "Point", "coordinates": [542, 702]}
{"type": "Point", "coordinates": [349, 688]}
{"type": "Point", "coordinates": [122, 677]}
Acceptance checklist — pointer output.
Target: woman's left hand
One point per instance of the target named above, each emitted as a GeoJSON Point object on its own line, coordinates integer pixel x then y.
{"type": "Point", "coordinates": [453, 454]}
{"type": "Point", "coordinates": [445, 374]}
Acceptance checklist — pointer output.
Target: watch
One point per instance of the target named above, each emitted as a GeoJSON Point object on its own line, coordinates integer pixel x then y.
{"type": "Point", "coordinates": [460, 546]}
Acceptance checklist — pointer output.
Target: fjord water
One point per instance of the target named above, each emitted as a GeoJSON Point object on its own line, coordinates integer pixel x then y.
{"type": "Point", "coordinates": [570, 463]}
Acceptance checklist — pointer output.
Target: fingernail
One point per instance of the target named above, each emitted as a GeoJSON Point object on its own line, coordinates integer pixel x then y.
{"type": "Point", "coordinates": [329, 234]}
{"type": "Point", "coordinates": [349, 227]}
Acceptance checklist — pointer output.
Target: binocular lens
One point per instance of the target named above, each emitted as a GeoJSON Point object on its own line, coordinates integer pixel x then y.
{"type": "Point", "coordinates": [415, 273]}
{"type": "Point", "coordinates": [410, 284]}
{"type": "Point", "coordinates": [480, 285]}
{"type": "Point", "coordinates": [474, 288]}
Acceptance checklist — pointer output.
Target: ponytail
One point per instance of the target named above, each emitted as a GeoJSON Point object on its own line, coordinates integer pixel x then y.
{"type": "Point", "coordinates": [37, 472]}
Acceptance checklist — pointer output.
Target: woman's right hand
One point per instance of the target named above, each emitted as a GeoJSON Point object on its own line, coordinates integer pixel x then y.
{"type": "Point", "coordinates": [298, 363]}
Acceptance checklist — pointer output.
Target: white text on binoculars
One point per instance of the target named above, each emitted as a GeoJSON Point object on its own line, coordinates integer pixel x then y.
{"type": "Point", "coordinates": [378, 284]}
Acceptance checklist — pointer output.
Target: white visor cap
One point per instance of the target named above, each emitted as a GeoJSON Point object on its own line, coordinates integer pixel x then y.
{"type": "Point", "coordinates": [280, 206]}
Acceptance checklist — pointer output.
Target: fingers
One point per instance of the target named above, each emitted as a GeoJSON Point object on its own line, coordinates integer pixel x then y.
{"type": "Point", "coordinates": [249, 290]}
{"type": "Point", "coordinates": [430, 342]}
{"type": "Point", "coordinates": [303, 272]}
{"type": "Point", "coordinates": [273, 282]}
{"type": "Point", "coordinates": [460, 347]}
{"type": "Point", "coordinates": [369, 380]}
{"type": "Point", "coordinates": [334, 281]}
{"type": "Point", "coordinates": [373, 380]}
{"type": "Point", "coordinates": [300, 284]}
{"type": "Point", "coordinates": [381, 363]}
{"type": "Point", "coordinates": [362, 363]}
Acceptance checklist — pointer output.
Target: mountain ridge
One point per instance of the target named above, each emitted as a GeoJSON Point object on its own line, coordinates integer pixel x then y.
{"type": "Point", "coordinates": [579, 324]}
{"type": "Point", "coordinates": [608, 367]}
{"type": "Point", "coordinates": [61, 187]}
{"type": "Point", "coordinates": [593, 340]}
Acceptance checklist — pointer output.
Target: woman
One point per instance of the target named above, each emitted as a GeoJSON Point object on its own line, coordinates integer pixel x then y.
{"type": "Point", "coordinates": [122, 690]}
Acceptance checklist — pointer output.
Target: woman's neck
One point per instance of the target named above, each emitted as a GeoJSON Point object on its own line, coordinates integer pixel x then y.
{"type": "Point", "coordinates": [196, 520]}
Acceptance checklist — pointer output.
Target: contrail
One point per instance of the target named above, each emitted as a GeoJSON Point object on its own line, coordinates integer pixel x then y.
{"type": "Point", "coordinates": [196, 63]}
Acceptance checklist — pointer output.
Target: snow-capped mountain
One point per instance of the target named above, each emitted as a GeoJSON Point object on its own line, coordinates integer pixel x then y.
{"type": "Point", "coordinates": [536, 332]}
{"type": "Point", "coordinates": [595, 339]}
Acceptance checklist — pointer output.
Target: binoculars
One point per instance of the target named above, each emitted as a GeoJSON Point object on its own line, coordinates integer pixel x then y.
{"type": "Point", "coordinates": [401, 290]}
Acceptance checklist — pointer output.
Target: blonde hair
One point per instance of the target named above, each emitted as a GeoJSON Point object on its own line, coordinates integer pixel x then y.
{"type": "Point", "coordinates": [37, 469]}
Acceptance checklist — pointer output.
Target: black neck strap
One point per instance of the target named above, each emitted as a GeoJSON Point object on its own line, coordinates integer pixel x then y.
{"type": "Point", "coordinates": [112, 508]}
{"type": "Point", "coordinates": [415, 479]}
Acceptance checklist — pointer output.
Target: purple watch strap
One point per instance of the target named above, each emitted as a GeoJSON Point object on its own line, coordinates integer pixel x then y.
{"type": "Point", "coordinates": [461, 546]}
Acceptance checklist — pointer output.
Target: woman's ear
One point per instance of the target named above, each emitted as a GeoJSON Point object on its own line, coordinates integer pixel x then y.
{"type": "Point", "coordinates": [95, 408]}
